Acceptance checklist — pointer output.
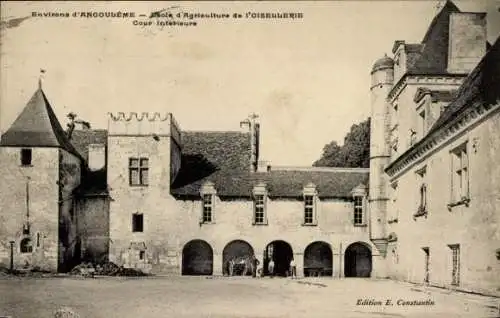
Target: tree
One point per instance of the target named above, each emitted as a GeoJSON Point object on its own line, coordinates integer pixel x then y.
{"type": "Point", "coordinates": [354, 153]}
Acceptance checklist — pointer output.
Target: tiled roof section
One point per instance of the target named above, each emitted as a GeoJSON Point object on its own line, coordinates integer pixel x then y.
{"type": "Point", "coordinates": [81, 139]}
{"type": "Point", "coordinates": [224, 159]}
{"type": "Point", "coordinates": [329, 184]}
{"type": "Point", "coordinates": [220, 157]}
{"type": "Point", "coordinates": [482, 85]}
{"type": "Point", "coordinates": [37, 126]}
{"type": "Point", "coordinates": [433, 58]}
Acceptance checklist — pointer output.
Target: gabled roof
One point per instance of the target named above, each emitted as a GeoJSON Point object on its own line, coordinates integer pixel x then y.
{"type": "Point", "coordinates": [223, 158]}
{"type": "Point", "coordinates": [37, 126]}
{"type": "Point", "coordinates": [436, 95]}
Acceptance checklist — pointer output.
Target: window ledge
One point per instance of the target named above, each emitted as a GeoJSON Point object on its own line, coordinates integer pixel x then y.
{"type": "Point", "coordinates": [421, 212]}
{"type": "Point", "coordinates": [206, 223]}
{"type": "Point", "coordinates": [464, 201]}
{"type": "Point", "coordinates": [310, 224]}
{"type": "Point", "coordinates": [260, 224]}
{"type": "Point", "coordinates": [360, 225]}
{"type": "Point", "coordinates": [138, 185]}
{"type": "Point", "coordinates": [26, 166]}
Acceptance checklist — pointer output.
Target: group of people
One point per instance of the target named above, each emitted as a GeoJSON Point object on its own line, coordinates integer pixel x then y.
{"type": "Point", "coordinates": [252, 264]}
{"type": "Point", "coordinates": [292, 269]}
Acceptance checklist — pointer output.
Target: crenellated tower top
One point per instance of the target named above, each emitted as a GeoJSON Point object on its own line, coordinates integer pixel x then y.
{"type": "Point", "coordinates": [144, 124]}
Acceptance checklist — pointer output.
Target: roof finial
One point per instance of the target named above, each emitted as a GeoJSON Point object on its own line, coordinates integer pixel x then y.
{"type": "Point", "coordinates": [440, 4]}
{"type": "Point", "coordinates": [42, 71]}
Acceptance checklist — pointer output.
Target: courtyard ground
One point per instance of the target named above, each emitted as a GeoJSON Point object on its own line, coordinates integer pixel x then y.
{"type": "Point", "coordinates": [232, 297]}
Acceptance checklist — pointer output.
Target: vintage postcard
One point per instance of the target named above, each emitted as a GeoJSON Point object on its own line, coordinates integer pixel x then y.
{"type": "Point", "coordinates": [250, 159]}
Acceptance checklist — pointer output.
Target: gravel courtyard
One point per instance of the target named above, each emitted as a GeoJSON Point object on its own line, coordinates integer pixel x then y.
{"type": "Point", "coordinates": [233, 297]}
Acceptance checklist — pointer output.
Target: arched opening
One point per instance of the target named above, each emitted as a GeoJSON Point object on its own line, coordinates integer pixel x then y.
{"type": "Point", "coordinates": [197, 258]}
{"type": "Point", "coordinates": [318, 260]}
{"type": "Point", "coordinates": [237, 258]}
{"type": "Point", "coordinates": [26, 246]}
{"type": "Point", "coordinates": [281, 253]}
{"type": "Point", "coordinates": [357, 260]}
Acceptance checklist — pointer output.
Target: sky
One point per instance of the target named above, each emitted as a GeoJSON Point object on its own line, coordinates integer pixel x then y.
{"type": "Point", "coordinates": [308, 79]}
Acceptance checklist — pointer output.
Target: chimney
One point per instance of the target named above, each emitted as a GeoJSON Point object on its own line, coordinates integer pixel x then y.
{"type": "Point", "coordinates": [255, 145]}
{"type": "Point", "coordinates": [97, 157]}
{"type": "Point", "coordinates": [467, 41]}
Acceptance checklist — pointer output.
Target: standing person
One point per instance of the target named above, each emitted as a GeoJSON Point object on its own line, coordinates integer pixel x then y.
{"type": "Point", "coordinates": [255, 264]}
{"type": "Point", "coordinates": [293, 268]}
{"type": "Point", "coordinates": [270, 267]}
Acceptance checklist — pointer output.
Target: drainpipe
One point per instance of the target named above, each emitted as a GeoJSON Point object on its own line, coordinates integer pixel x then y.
{"type": "Point", "coordinates": [11, 256]}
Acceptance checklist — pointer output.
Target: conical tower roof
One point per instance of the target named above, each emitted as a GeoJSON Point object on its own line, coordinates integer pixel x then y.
{"type": "Point", "coordinates": [37, 126]}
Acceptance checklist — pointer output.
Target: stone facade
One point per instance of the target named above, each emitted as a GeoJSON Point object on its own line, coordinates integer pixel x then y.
{"type": "Point", "coordinates": [442, 113]}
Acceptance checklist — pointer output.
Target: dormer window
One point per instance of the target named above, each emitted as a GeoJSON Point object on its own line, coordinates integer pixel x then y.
{"type": "Point", "coordinates": [310, 198]}
{"type": "Point", "coordinates": [26, 155]}
{"type": "Point", "coordinates": [259, 204]}
{"type": "Point", "coordinates": [358, 196]}
{"type": "Point", "coordinates": [207, 203]}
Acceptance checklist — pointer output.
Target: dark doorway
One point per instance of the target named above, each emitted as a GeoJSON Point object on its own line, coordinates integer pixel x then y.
{"type": "Point", "coordinates": [318, 259]}
{"type": "Point", "coordinates": [240, 252]}
{"type": "Point", "coordinates": [197, 258]}
{"type": "Point", "coordinates": [281, 253]}
{"type": "Point", "coordinates": [358, 260]}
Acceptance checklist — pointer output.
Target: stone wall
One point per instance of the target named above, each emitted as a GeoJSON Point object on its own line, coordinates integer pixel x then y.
{"type": "Point", "coordinates": [475, 225]}
{"type": "Point", "coordinates": [42, 176]}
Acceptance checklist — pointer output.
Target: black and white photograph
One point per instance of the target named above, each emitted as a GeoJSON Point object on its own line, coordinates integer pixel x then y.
{"type": "Point", "coordinates": [257, 159]}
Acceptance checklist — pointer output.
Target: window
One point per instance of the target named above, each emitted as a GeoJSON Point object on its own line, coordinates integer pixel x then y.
{"type": "Point", "coordinates": [138, 171]}
{"type": "Point", "coordinates": [207, 208]}
{"type": "Point", "coordinates": [460, 175]}
{"type": "Point", "coordinates": [26, 246]}
{"type": "Point", "coordinates": [358, 210]}
{"type": "Point", "coordinates": [423, 123]}
{"type": "Point", "coordinates": [422, 192]}
{"type": "Point", "coordinates": [259, 209]}
{"type": "Point", "coordinates": [259, 204]}
{"type": "Point", "coordinates": [394, 212]}
{"type": "Point", "coordinates": [427, 256]}
{"type": "Point", "coordinates": [308, 209]}
{"type": "Point", "coordinates": [455, 265]}
{"type": "Point", "coordinates": [37, 239]}
{"type": "Point", "coordinates": [137, 222]}
{"type": "Point", "coordinates": [26, 157]}
{"type": "Point", "coordinates": [142, 254]}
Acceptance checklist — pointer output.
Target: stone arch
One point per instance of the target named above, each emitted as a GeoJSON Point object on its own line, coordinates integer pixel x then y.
{"type": "Point", "coordinates": [240, 251]}
{"type": "Point", "coordinates": [358, 260]}
{"type": "Point", "coordinates": [281, 253]}
{"type": "Point", "coordinates": [318, 259]}
{"type": "Point", "coordinates": [197, 258]}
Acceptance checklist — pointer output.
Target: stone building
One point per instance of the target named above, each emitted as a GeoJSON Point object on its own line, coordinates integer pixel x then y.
{"type": "Point", "coordinates": [146, 195]}
{"type": "Point", "coordinates": [435, 148]}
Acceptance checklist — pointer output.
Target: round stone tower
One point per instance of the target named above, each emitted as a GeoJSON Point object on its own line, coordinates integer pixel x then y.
{"type": "Point", "coordinates": [382, 81]}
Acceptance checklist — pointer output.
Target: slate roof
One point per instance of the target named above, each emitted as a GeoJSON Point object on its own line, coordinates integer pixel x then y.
{"type": "Point", "coordinates": [81, 139]}
{"type": "Point", "coordinates": [224, 159]}
{"type": "Point", "coordinates": [433, 57]}
{"type": "Point", "coordinates": [482, 85]}
{"type": "Point", "coordinates": [37, 126]}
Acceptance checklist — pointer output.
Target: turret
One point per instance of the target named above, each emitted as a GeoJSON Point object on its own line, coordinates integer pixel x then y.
{"type": "Point", "coordinates": [382, 81]}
